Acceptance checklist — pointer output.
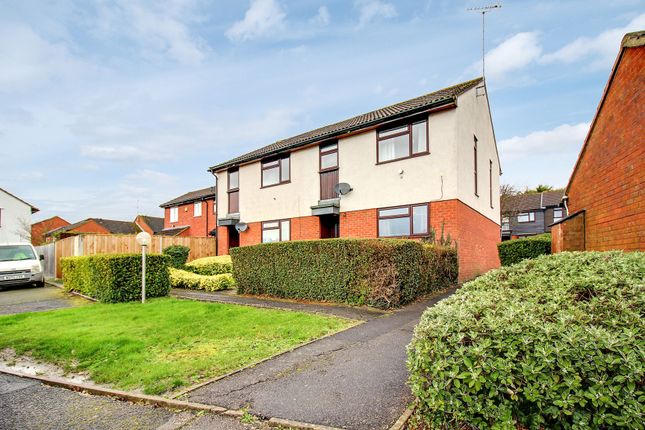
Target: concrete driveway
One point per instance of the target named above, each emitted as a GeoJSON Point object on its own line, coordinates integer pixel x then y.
{"type": "Point", "coordinates": [30, 299]}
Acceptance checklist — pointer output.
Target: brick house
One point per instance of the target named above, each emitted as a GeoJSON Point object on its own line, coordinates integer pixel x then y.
{"type": "Point", "coordinates": [409, 169]}
{"type": "Point", "coordinates": [39, 229]}
{"type": "Point", "coordinates": [95, 226]}
{"type": "Point", "coordinates": [605, 195]}
{"type": "Point", "coordinates": [528, 214]}
{"type": "Point", "coordinates": [192, 214]}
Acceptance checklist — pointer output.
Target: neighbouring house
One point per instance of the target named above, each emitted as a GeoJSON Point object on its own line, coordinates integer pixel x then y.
{"type": "Point", "coordinates": [39, 229]}
{"type": "Point", "coordinates": [192, 214]}
{"type": "Point", "coordinates": [528, 214]}
{"type": "Point", "coordinates": [15, 218]}
{"type": "Point", "coordinates": [96, 226]}
{"type": "Point", "coordinates": [425, 165]}
{"type": "Point", "coordinates": [605, 195]}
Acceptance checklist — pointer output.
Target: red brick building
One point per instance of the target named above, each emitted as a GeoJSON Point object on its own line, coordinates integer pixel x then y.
{"type": "Point", "coordinates": [39, 229]}
{"type": "Point", "coordinates": [191, 214]}
{"type": "Point", "coordinates": [94, 226]}
{"type": "Point", "coordinates": [605, 196]}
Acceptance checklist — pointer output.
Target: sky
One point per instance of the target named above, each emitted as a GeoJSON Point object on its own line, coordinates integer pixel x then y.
{"type": "Point", "coordinates": [110, 108]}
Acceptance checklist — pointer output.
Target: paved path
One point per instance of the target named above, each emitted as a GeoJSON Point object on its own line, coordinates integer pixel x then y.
{"type": "Point", "coordinates": [30, 299]}
{"type": "Point", "coordinates": [28, 404]}
{"type": "Point", "coordinates": [355, 379]}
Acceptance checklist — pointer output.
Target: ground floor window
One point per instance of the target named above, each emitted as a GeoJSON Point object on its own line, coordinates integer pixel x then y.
{"type": "Point", "coordinates": [402, 221]}
{"type": "Point", "coordinates": [276, 231]}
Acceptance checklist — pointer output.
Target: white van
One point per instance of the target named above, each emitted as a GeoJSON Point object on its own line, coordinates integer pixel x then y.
{"type": "Point", "coordinates": [20, 265]}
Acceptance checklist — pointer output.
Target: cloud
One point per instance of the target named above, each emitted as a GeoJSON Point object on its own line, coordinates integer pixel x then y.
{"type": "Point", "coordinates": [560, 140]}
{"type": "Point", "coordinates": [121, 153]}
{"type": "Point", "coordinates": [514, 53]}
{"type": "Point", "coordinates": [601, 49]}
{"type": "Point", "coordinates": [262, 18]}
{"type": "Point", "coordinates": [323, 17]}
{"type": "Point", "coordinates": [371, 10]}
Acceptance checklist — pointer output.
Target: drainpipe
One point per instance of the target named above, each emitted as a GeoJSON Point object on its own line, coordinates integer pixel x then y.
{"type": "Point", "coordinates": [565, 199]}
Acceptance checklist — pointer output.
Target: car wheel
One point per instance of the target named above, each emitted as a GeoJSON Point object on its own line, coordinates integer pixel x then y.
{"type": "Point", "coordinates": [40, 284]}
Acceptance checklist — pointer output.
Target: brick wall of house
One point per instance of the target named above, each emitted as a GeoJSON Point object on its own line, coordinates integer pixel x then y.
{"type": "Point", "coordinates": [200, 225]}
{"type": "Point", "coordinates": [609, 181]}
{"type": "Point", "coordinates": [40, 228]}
{"type": "Point", "coordinates": [89, 227]}
{"type": "Point", "coordinates": [569, 235]}
{"type": "Point", "coordinates": [359, 224]}
{"type": "Point", "coordinates": [222, 240]}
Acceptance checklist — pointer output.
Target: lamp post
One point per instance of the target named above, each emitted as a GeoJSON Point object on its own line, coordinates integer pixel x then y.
{"type": "Point", "coordinates": [144, 240]}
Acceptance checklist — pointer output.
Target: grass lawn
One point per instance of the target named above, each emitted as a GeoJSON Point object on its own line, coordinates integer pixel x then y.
{"type": "Point", "coordinates": [162, 345]}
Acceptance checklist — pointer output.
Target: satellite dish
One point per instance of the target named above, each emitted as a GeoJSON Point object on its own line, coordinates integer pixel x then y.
{"type": "Point", "coordinates": [241, 226]}
{"type": "Point", "coordinates": [342, 188]}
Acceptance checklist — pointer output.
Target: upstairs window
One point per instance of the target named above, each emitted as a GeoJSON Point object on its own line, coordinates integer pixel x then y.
{"type": "Point", "coordinates": [558, 214]}
{"type": "Point", "coordinates": [403, 221]}
{"type": "Point", "coordinates": [174, 214]}
{"type": "Point", "coordinates": [276, 172]}
{"type": "Point", "coordinates": [214, 206]}
{"type": "Point", "coordinates": [329, 157]}
{"type": "Point", "coordinates": [233, 180]}
{"type": "Point", "coordinates": [526, 217]}
{"type": "Point", "coordinates": [475, 164]}
{"type": "Point", "coordinates": [197, 209]}
{"type": "Point", "coordinates": [233, 191]}
{"type": "Point", "coordinates": [276, 231]}
{"type": "Point", "coordinates": [490, 182]}
{"type": "Point", "coordinates": [506, 223]}
{"type": "Point", "coordinates": [402, 141]}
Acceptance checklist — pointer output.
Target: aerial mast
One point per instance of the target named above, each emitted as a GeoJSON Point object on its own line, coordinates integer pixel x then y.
{"type": "Point", "coordinates": [483, 11]}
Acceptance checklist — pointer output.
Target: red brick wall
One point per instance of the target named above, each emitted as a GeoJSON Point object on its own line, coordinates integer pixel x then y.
{"type": "Point", "coordinates": [40, 228]}
{"type": "Point", "coordinates": [569, 235]}
{"type": "Point", "coordinates": [198, 225]}
{"type": "Point", "coordinates": [359, 224]}
{"type": "Point", "coordinates": [222, 240]}
{"type": "Point", "coordinates": [609, 182]}
{"type": "Point", "coordinates": [90, 227]}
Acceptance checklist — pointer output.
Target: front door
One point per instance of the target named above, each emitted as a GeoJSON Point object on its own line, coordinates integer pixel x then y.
{"type": "Point", "coordinates": [329, 227]}
{"type": "Point", "coordinates": [233, 237]}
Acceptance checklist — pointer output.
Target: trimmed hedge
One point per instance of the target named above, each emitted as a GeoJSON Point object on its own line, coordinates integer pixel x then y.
{"type": "Point", "coordinates": [556, 342]}
{"type": "Point", "coordinates": [211, 265]}
{"type": "Point", "coordinates": [178, 255]}
{"type": "Point", "coordinates": [516, 250]}
{"type": "Point", "coordinates": [184, 279]}
{"type": "Point", "coordinates": [113, 278]}
{"type": "Point", "coordinates": [375, 272]}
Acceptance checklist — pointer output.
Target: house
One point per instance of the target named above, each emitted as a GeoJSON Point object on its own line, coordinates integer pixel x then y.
{"type": "Point", "coordinates": [425, 165]}
{"type": "Point", "coordinates": [192, 214]}
{"type": "Point", "coordinates": [96, 226]}
{"type": "Point", "coordinates": [605, 195]}
{"type": "Point", "coordinates": [531, 213]}
{"type": "Point", "coordinates": [39, 229]}
{"type": "Point", "coordinates": [15, 218]}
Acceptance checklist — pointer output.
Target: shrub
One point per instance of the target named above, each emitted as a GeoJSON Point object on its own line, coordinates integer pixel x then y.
{"type": "Point", "coordinates": [555, 342]}
{"type": "Point", "coordinates": [211, 265]}
{"type": "Point", "coordinates": [178, 255]}
{"type": "Point", "coordinates": [184, 279]}
{"type": "Point", "coordinates": [116, 277]}
{"type": "Point", "coordinates": [376, 272]}
{"type": "Point", "coordinates": [516, 250]}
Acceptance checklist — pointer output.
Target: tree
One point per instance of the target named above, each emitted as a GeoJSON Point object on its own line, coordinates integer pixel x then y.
{"type": "Point", "coordinates": [507, 193]}
{"type": "Point", "coordinates": [540, 189]}
{"type": "Point", "coordinates": [24, 229]}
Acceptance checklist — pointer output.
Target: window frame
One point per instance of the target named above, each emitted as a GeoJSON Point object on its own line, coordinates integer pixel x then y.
{"type": "Point", "coordinates": [506, 221]}
{"type": "Point", "coordinates": [409, 215]}
{"type": "Point", "coordinates": [278, 160]}
{"type": "Point", "coordinates": [475, 170]}
{"type": "Point", "coordinates": [279, 228]}
{"type": "Point", "coordinates": [530, 214]}
{"type": "Point", "coordinates": [322, 152]}
{"type": "Point", "coordinates": [214, 206]}
{"type": "Point", "coordinates": [195, 206]}
{"type": "Point", "coordinates": [561, 214]}
{"type": "Point", "coordinates": [174, 209]}
{"type": "Point", "coordinates": [490, 182]}
{"type": "Point", "coordinates": [409, 126]}
{"type": "Point", "coordinates": [230, 190]}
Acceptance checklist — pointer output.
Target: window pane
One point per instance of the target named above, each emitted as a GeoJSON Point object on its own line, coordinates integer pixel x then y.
{"type": "Point", "coordinates": [197, 209]}
{"type": "Point", "coordinates": [270, 163]}
{"type": "Point", "coordinates": [329, 147]}
{"type": "Point", "coordinates": [420, 219]}
{"type": "Point", "coordinates": [396, 147]}
{"type": "Point", "coordinates": [271, 176]}
{"type": "Point", "coordinates": [270, 224]}
{"type": "Point", "coordinates": [269, 236]}
{"type": "Point", "coordinates": [233, 180]}
{"type": "Point", "coordinates": [393, 131]}
{"type": "Point", "coordinates": [394, 227]}
{"type": "Point", "coordinates": [284, 169]}
{"type": "Point", "coordinates": [284, 229]}
{"type": "Point", "coordinates": [419, 137]}
{"type": "Point", "coordinates": [393, 212]}
{"type": "Point", "coordinates": [329, 160]}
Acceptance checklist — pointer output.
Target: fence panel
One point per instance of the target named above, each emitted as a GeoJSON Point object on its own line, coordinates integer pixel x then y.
{"type": "Point", "coordinates": [49, 263]}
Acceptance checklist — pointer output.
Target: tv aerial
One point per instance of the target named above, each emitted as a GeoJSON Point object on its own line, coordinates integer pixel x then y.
{"type": "Point", "coordinates": [483, 11]}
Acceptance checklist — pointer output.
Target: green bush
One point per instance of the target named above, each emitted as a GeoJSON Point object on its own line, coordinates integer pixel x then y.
{"type": "Point", "coordinates": [516, 250]}
{"type": "Point", "coordinates": [115, 278]}
{"type": "Point", "coordinates": [374, 272]}
{"type": "Point", "coordinates": [178, 255]}
{"type": "Point", "coordinates": [551, 343]}
{"type": "Point", "coordinates": [183, 279]}
{"type": "Point", "coordinates": [211, 265]}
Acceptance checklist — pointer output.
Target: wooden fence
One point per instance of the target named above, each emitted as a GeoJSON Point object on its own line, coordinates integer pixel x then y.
{"type": "Point", "coordinates": [90, 244]}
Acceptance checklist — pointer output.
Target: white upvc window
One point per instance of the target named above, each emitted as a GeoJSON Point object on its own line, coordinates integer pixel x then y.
{"type": "Point", "coordinates": [276, 231]}
{"type": "Point", "coordinates": [214, 206]}
{"type": "Point", "coordinates": [526, 217]}
{"type": "Point", "coordinates": [197, 209]}
{"type": "Point", "coordinates": [174, 214]}
{"type": "Point", "coordinates": [558, 214]}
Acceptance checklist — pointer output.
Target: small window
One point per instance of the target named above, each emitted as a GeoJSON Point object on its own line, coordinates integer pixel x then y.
{"type": "Point", "coordinates": [329, 157]}
{"type": "Point", "coordinates": [506, 223]}
{"type": "Point", "coordinates": [402, 141]}
{"type": "Point", "coordinates": [475, 164]}
{"type": "Point", "coordinates": [197, 209]}
{"type": "Point", "coordinates": [558, 214]}
{"type": "Point", "coordinates": [214, 206]}
{"type": "Point", "coordinates": [174, 214]}
{"type": "Point", "coordinates": [276, 231]}
{"type": "Point", "coordinates": [233, 180]}
{"type": "Point", "coordinates": [490, 182]}
{"type": "Point", "coordinates": [275, 172]}
{"type": "Point", "coordinates": [403, 221]}
{"type": "Point", "coordinates": [526, 217]}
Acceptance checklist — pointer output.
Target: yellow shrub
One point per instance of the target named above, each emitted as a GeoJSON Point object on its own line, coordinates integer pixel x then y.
{"type": "Point", "coordinates": [183, 279]}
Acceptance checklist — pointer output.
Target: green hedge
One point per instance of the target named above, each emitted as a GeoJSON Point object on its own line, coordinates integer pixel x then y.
{"type": "Point", "coordinates": [374, 272]}
{"type": "Point", "coordinates": [115, 278]}
{"type": "Point", "coordinates": [551, 343]}
{"type": "Point", "coordinates": [516, 250]}
{"type": "Point", "coordinates": [210, 265]}
{"type": "Point", "coordinates": [183, 279]}
{"type": "Point", "coordinates": [178, 255]}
